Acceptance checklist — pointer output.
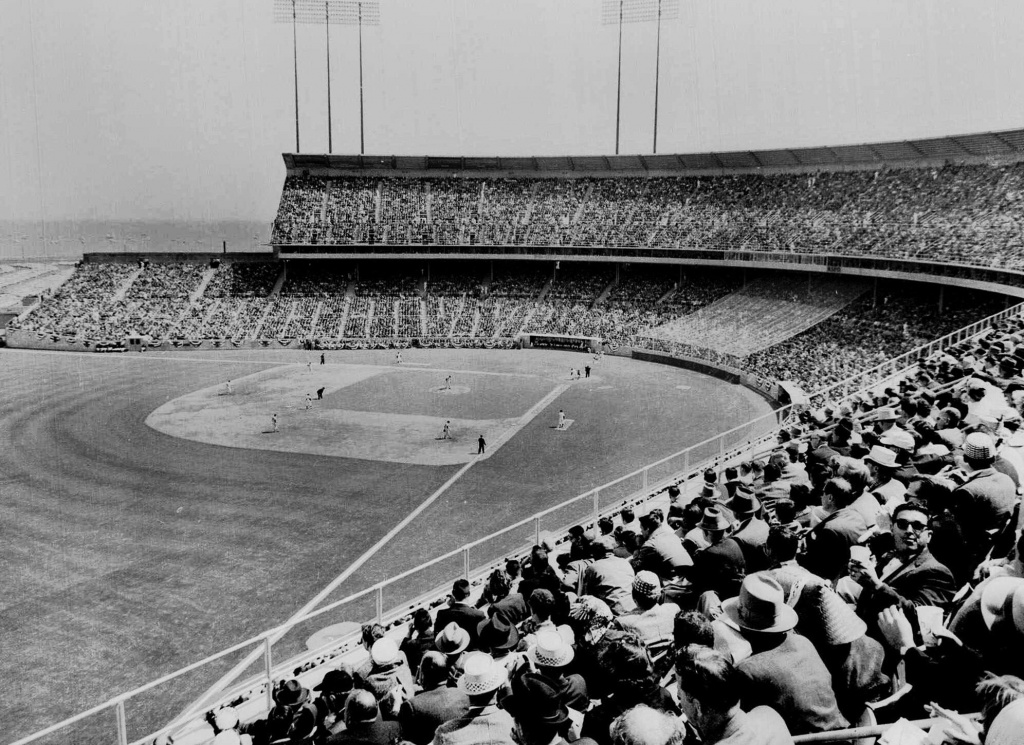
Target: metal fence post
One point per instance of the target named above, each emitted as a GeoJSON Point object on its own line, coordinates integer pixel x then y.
{"type": "Point", "coordinates": [597, 504]}
{"type": "Point", "coordinates": [645, 479]}
{"type": "Point", "coordinates": [536, 531]}
{"type": "Point", "coordinates": [268, 663]}
{"type": "Point", "coordinates": [122, 724]}
{"type": "Point", "coordinates": [379, 602]}
{"type": "Point", "coordinates": [465, 563]}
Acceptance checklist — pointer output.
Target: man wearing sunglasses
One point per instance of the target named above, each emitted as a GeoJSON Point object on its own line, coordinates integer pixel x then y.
{"type": "Point", "coordinates": [908, 575]}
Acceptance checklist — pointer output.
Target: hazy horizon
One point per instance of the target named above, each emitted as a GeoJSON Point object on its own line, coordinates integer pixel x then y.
{"type": "Point", "coordinates": [140, 110]}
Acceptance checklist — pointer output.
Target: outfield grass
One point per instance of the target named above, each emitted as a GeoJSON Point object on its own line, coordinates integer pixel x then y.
{"type": "Point", "coordinates": [127, 552]}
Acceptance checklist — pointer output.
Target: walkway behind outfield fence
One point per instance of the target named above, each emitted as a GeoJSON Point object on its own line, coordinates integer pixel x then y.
{"type": "Point", "coordinates": [395, 598]}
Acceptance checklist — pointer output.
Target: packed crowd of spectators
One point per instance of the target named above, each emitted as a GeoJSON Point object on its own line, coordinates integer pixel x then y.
{"type": "Point", "coordinates": [862, 336]}
{"type": "Point", "coordinates": [238, 304]}
{"type": "Point", "coordinates": [869, 569]}
{"type": "Point", "coordinates": [959, 214]}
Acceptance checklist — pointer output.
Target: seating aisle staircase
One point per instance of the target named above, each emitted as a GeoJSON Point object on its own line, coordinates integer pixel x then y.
{"type": "Point", "coordinates": [764, 313]}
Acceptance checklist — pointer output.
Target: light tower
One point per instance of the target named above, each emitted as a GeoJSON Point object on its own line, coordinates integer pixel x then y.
{"type": "Point", "coordinates": [328, 12]}
{"type": "Point", "coordinates": [638, 11]}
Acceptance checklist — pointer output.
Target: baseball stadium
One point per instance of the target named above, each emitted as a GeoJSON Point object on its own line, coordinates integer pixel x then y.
{"type": "Point", "coordinates": [709, 445]}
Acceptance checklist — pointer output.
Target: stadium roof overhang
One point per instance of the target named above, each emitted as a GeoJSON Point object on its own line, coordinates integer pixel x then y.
{"type": "Point", "coordinates": [985, 147]}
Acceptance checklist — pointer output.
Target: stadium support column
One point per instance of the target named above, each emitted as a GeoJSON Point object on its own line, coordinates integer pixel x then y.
{"type": "Point", "coordinates": [327, 26]}
{"type": "Point", "coordinates": [942, 298]}
{"type": "Point", "coordinates": [295, 55]}
{"type": "Point", "coordinates": [874, 294]}
{"type": "Point", "coordinates": [618, 86]}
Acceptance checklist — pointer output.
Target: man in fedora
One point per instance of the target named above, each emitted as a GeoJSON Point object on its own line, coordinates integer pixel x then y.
{"type": "Point", "coordinates": [500, 639]}
{"type": "Point", "coordinates": [909, 575]}
{"type": "Point", "coordinates": [540, 718]}
{"type": "Point", "coordinates": [292, 706]}
{"type": "Point", "coordinates": [752, 531]}
{"type": "Point", "coordinates": [452, 642]}
{"type": "Point", "coordinates": [882, 466]}
{"type": "Point", "coordinates": [721, 567]}
{"type": "Point", "coordinates": [484, 723]}
{"type": "Point", "coordinates": [435, 704]}
{"type": "Point", "coordinates": [784, 670]}
{"type": "Point", "coordinates": [709, 688]}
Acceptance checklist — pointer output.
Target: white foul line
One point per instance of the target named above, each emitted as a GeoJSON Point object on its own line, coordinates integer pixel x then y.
{"type": "Point", "coordinates": [238, 669]}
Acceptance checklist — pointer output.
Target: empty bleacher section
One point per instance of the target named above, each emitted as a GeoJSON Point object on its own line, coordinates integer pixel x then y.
{"type": "Point", "coordinates": [762, 314]}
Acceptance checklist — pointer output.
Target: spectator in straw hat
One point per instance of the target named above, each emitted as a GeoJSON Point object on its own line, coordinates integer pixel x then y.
{"type": "Point", "coordinates": [709, 686]}
{"type": "Point", "coordinates": [550, 656]}
{"type": "Point", "coordinates": [854, 659]}
{"type": "Point", "coordinates": [784, 671]}
{"type": "Point", "coordinates": [484, 723]}
{"type": "Point", "coordinates": [984, 503]}
{"type": "Point", "coordinates": [435, 704]}
{"type": "Point", "coordinates": [653, 621]}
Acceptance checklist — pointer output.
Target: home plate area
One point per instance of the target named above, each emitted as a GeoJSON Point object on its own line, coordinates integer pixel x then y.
{"type": "Point", "coordinates": [565, 426]}
{"type": "Point", "coordinates": [366, 412]}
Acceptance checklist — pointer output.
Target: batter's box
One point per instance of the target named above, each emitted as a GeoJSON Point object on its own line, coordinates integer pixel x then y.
{"type": "Point", "coordinates": [565, 426]}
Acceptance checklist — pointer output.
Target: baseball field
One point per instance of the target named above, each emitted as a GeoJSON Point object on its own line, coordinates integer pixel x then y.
{"type": "Point", "coordinates": [151, 515]}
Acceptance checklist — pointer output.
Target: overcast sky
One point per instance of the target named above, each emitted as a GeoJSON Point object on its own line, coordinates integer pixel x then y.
{"type": "Point", "coordinates": [149, 109]}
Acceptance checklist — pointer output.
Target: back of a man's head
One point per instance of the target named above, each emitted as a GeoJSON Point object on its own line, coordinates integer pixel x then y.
{"type": "Point", "coordinates": [692, 627]}
{"type": "Point", "coordinates": [433, 670]}
{"type": "Point", "coordinates": [709, 677]}
{"type": "Point", "coordinates": [361, 707]}
{"type": "Point", "coordinates": [643, 725]}
{"type": "Point", "coordinates": [542, 603]}
{"type": "Point", "coordinates": [460, 590]}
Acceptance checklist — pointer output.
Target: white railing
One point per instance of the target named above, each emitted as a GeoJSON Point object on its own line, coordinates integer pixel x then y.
{"type": "Point", "coordinates": [475, 559]}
